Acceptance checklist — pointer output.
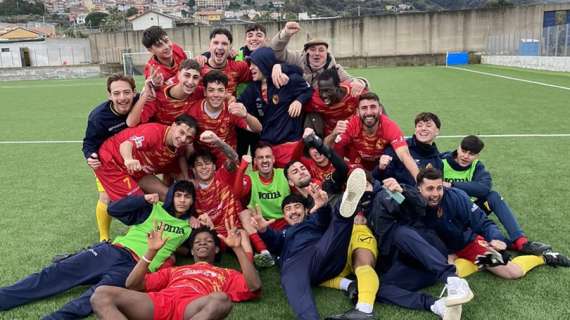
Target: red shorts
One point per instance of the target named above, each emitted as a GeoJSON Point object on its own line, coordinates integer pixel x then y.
{"type": "Point", "coordinates": [475, 248]}
{"type": "Point", "coordinates": [279, 224]}
{"type": "Point", "coordinates": [117, 183]}
{"type": "Point", "coordinates": [283, 153]}
{"type": "Point", "coordinates": [168, 308]}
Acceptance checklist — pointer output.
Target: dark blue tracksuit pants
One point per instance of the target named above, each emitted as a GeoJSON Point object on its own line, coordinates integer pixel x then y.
{"type": "Point", "coordinates": [102, 264]}
{"type": "Point", "coordinates": [319, 262]}
{"type": "Point", "coordinates": [401, 282]}
{"type": "Point", "coordinates": [497, 204]}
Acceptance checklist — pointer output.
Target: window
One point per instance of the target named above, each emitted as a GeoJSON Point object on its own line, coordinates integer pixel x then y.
{"type": "Point", "coordinates": [5, 49]}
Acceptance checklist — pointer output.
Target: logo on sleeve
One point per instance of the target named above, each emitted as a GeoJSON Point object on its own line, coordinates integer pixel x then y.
{"type": "Point", "coordinates": [138, 140]}
{"type": "Point", "coordinates": [474, 208]}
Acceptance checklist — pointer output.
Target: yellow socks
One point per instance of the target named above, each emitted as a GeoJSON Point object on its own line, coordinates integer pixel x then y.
{"type": "Point", "coordinates": [465, 267]}
{"type": "Point", "coordinates": [103, 221]}
{"type": "Point", "coordinates": [333, 283]}
{"type": "Point", "coordinates": [368, 285]}
{"type": "Point", "coordinates": [528, 263]}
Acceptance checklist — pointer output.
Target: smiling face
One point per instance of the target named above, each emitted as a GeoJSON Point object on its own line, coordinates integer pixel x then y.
{"type": "Point", "coordinates": [298, 175]}
{"type": "Point", "coordinates": [204, 247]}
{"type": "Point", "coordinates": [264, 161]}
{"type": "Point", "coordinates": [188, 79]}
{"type": "Point", "coordinates": [219, 50]}
{"type": "Point", "coordinates": [122, 95]}
{"type": "Point", "coordinates": [215, 95]}
{"type": "Point", "coordinates": [369, 111]}
{"type": "Point", "coordinates": [254, 39]}
{"type": "Point", "coordinates": [162, 49]}
{"type": "Point", "coordinates": [431, 191]}
{"type": "Point", "coordinates": [426, 131]}
{"type": "Point", "coordinates": [256, 74]}
{"type": "Point", "coordinates": [294, 213]}
{"type": "Point", "coordinates": [318, 157]}
{"type": "Point", "coordinates": [204, 169]}
{"type": "Point", "coordinates": [182, 202]}
{"type": "Point", "coordinates": [329, 93]}
{"type": "Point", "coordinates": [180, 135]}
{"type": "Point", "coordinates": [317, 55]}
{"type": "Point", "coordinates": [464, 157]}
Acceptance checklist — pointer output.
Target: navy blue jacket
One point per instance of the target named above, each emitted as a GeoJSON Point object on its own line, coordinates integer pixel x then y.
{"type": "Point", "coordinates": [278, 126]}
{"type": "Point", "coordinates": [133, 210]}
{"type": "Point", "coordinates": [293, 239]}
{"type": "Point", "coordinates": [481, 183]}
{"type": "Point", "coordinates": [422, 153]}
{"type": "Point", "coordinates": [458, 221]}
{"type": "Point", "coordinates": [102, 123]}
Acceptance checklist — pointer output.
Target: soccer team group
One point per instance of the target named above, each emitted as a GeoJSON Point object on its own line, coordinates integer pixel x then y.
{"type": "Point", "coordinates": [276, 157]}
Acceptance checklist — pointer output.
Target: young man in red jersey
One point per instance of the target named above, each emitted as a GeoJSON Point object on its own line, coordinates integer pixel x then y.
{"type": "Point", "coordinates": [215, 114]}
{"type": "Point", "coordinates": [166, 56]}
{"type": "Point", "coordinates": [131, 157]}
{"type": "Point", "coordinates": [167, 103]}
{"type": "Point", "coordinates": [196, 291]}
{"type": "Point", "coordinates": [363, 139]}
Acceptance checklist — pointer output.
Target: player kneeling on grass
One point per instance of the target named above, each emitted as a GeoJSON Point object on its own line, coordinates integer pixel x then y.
{"type": "Point", "coordinates": [475, 240]}
{"type": "Point", "coordinates": [196, 291]}
{"type": "Point", "coordinates": [130, 158]}
{"type": "Point", "coordinates": [313, 248]}
{"type": "Point", "coordinates": [463, 170]}
{"type": "Point", "coordinates": [106, 263]}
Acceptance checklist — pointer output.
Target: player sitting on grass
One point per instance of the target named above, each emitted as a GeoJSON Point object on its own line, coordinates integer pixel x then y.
{"type": "Point", "coordinates": [106, 263]}
{"type": "Point", "coordinates": [164, 105]}
{"type": "Point", "coordinates": [166, 56]}
{"type": "Point", "coordinates": [134, 155]}
{"type": "Point", "coordinates": [313, 248]}
{"type": "Point", "coordinates": [463, 170]}
{"type": "Point", "coordinates": [363, 139]}
{"type": "Point", "coordinates": [475, 240]}
{"type": "Point", "coordinates": [104, 121]}
{"type": "Point", "coordinates": [195, 291]}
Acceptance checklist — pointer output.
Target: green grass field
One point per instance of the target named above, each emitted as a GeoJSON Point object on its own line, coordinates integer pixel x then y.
{"type": "Point", "coordinates": [48, 192]}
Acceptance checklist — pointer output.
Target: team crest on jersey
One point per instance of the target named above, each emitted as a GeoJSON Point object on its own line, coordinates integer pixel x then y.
{"type": "Point", "coordinates": [138, 140]}
{"type": "Point", "coordinates": [275, 99]}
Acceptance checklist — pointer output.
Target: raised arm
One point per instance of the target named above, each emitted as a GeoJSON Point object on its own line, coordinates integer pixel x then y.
{"type": "Point", "coordinates": [281, 40]}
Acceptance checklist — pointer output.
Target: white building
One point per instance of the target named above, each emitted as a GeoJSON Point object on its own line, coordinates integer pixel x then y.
{"type": "Point", "coordinates": [152, 18]}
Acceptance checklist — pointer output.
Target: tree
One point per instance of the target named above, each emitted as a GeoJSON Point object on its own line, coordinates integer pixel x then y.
{"type": "Point", "coordinates": [115, 21]}
{"type": "Point", "coordinates": [21, 7]}
{"type": "Point", "coordinates": [95, 19]}
{"type": "Point", "coordinates": [132, 11]}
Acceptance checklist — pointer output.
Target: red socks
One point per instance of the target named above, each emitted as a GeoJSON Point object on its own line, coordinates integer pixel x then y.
{"type": "Point", "coordinates": [257, 243]}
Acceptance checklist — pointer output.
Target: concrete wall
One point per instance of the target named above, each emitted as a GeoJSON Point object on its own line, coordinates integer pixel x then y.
{"type": "Point", "coordinates": [50, 52]}
{"type": "Point", "coordinates": [538, 63]}
{"type": "Point", "coordinates": [366, 38]}
{"type": "Point", "coordinates": [43, 73]}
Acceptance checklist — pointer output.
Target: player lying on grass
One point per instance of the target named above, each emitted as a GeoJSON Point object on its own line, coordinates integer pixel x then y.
{"type": "Point", "coordinates": [109, 263]}
{"type": "Point", "coordinates": [166, 57]}
{"type": "Point", "coordinates": [467, 233]}
{"type": "Point", "coordinates": [104, 121]}
{"type": "Point", "coordinates": [130, 158]}
{"type": "Point", "coordinates": [411, 256]}
{"type": "Point", "coordinates": [314, 246]}
{"type": "Point", "coordinates": [195, 291]}
{"type": "Point", "coordinates": [462, 169]}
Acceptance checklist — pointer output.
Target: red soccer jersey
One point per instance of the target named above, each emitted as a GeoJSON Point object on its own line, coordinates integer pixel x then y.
{"type": "Point", "coordinates": [224, 126]}
{"type": "Point", "coordinates": [363, 149]}
{"type": "Point", "coordinates": [167, 72]}
{"type": "Point", "coordinates": [172, 289]}
{"type": "Point", "coordinates": [237, 72]}
{"type": "Point", "coordinates": [341, 110]}
{"type": "Point", "coordinates": [149, 147]}
{"type": "Point", "coordinates": [317, 173]}
{"type": "Point", "coordinates": [165, 109]}
{"type": "Point", "coordinates": [218, 200]}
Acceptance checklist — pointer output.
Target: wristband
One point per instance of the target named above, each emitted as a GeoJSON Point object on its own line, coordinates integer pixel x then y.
{"type": "Point", "coordinates": [145, 259]}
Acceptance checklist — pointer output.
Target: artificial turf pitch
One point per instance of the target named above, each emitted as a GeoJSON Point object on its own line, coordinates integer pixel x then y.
{"type": "Point", "coordinates": [48, 192]}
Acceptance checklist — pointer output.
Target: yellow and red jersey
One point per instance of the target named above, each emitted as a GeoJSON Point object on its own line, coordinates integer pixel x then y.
{"type": "Point", "coordinates": [167, 72]}
{"type": "Point", "coordinates": [237, 72]}
{"type": "Point", "coordinates": [165, 109]}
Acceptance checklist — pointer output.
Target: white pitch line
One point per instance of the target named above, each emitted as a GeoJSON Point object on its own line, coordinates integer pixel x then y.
{"type": "Point", "coordinates": [511, 78]}
{"type": "Point", "coordinates": [50, 86]}
{"type": "Point", "coordinates": [530, 135]}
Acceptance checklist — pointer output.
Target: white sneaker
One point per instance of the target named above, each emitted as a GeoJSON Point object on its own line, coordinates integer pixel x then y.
{"type": "Point", "coordinates": [458, 291]}
{"type": "Point", "coordinates": [444, 312]}
{"type": "Point", "coordinates": [355, 187]}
